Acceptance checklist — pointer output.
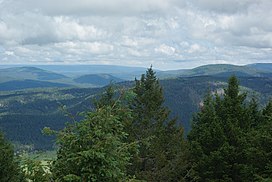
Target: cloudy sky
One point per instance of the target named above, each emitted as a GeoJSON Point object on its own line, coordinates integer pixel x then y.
{"type": "Point", "coordinates": [169, 34]}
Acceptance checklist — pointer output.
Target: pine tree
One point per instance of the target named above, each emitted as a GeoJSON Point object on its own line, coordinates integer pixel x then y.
{"type": "Point", "coordinates": [162, 147]}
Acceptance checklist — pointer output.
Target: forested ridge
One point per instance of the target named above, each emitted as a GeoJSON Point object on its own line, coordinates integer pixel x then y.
{"type": "Point", "coordinates": [131, 136]}
{"type": "Point", "coordinates": [24, 113]}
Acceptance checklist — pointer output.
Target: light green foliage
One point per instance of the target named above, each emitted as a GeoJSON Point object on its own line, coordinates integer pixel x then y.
{"type": "Point", "coordinates": [94, 149]}
{"type": "Point", "coordinates": [36, 170]}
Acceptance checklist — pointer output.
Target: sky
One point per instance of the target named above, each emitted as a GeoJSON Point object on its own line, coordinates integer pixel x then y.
{"type": "Point", "coordinates": [168, 34]}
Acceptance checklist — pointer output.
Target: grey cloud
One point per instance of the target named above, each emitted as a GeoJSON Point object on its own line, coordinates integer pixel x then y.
{"type": "Point", "coordinates": [251, 28]}
{"type": "Point", "coordinates": [101, 7]}
{"type": "Point", "coordinates": [139, 33]}
{"type": "Point", "coordinates": [225, 6]}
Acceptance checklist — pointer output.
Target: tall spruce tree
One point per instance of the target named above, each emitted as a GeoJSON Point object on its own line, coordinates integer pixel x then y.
{"type": "Point", "coordinates": [162, 147]}
{"type": "Point", "coordinates": [219, 138]}
{"type": "Point", "coordinates": [259, 152]}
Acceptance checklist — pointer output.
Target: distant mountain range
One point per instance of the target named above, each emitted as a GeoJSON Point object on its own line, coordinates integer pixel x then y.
{"type": "Point", "coordinates": [100, 75]}
{"type": "Point", "coordinates": [123, 72]}
{"type": "Point", "coordinates": [18, 73]}
{"type": "Point", "coordinates": [224, 70]}
{"type": "Point", "coordinates": [30, 97]}
{"type": "Point", "coordinates": [17, 78]}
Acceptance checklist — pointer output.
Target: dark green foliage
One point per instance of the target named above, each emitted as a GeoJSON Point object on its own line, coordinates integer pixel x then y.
{"type": "Point", "coordinates": [230, 140]}
{"type": "Point", "coordinates": [260, 145]}
{"type": "Point", "coordinates": [9, 166]}
{"type": "Point", "coordinates": [162, 148]}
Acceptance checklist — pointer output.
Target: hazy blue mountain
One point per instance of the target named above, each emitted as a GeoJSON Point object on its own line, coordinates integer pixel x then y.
{"type": "Point", "coordinates": [220, 68]}
{"type": "Point", "coordinates": [97, 79]}
{"type": "Point", "coordinates": [123, 72]}
{"type": "Point", "coordinates": [26, 84]}
{"type": "Point", "coordinates": [262, 66]}
{"type": "Point", "coordinates": [33, 73]}
{"type": "Point", "coordinates": [224, 70]}
{"type": "Point", "coordinates": [171, 73]}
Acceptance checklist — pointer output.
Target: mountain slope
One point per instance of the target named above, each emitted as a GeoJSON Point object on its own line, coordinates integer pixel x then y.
{"type": "Point", "coordinates": [222, 70]}
{"type": "Point", "coordinates": [26, 84]}
{"type": "Point", "coordinates": [123, 72]}
{"type": "Point", "coordinates": [97, 79]}
{"type": "Point", "coordinates": [33, 73]}
{"type": "Point", "coordinates": [267, 67]}
{"type": "Point", "coordinates": [24, 113]}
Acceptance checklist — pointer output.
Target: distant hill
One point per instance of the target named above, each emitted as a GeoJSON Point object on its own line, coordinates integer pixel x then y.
{"type": "Point", "coordinates": [26, 84]}
{"type": "Point", "coordinates": [24, 113]}
{"type": "Point", "coordinates": [97, 79]}
{"type": "Point", "coordinates": [214, 69]}
{"type": "Point", "coordinates": [223, 70]}
{"type": "Point", "coordinates": [101, 75]}
{"type": "Point", "coordinates": [123, 72]}
{"type": "Point", "coordinates": [262, 66]}
{"type": "Point", "coordinates": [33, 73]}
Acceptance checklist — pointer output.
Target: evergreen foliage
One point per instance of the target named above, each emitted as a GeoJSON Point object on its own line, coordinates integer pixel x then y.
{"type": "Point", "coordinates": [230, 139]}
{"type": "Point", "coordinates": [162, 147]}
{"type": "Point", "coordinates": [94, 149]}
{"type": "Point", "coordinates": [9, 166]}
{"type": "Point", "coordinates": [130, 136]}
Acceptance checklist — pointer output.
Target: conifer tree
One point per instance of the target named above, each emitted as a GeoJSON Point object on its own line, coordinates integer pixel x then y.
{"type": "Point", "coordinates": [94, 149]}
{"type": "Point", "coordinates": [219, 138]}
{"type": "Point", "coordinates": [162, 148]}
{"type": "Point", "coordinates": [259, 152]}
{"type": "Point", "coordinates": [9, 167]}
{"type": "Point", "coordinates": [206, 138]}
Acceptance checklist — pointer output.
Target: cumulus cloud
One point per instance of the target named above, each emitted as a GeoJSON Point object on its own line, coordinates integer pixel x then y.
{"type": "Point", "coordinates": [87, 47]}
{"type": "Point", "coordinates": [164, 33]}
{"type": "Point", "coordinates": [165, 49]}
{"type": "Point", "coordinates": [100, 8]}
{"type": "Point", "coordinates": [224, 6]}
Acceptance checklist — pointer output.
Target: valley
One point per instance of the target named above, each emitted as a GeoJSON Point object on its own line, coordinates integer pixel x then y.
{"type": "Point", "coordinates": [32, 98]}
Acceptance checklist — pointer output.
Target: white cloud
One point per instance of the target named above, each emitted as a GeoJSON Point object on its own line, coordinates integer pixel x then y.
{"type": "Point", "coordinates": [9, 53]}
{"type": "Point", "coordinates": [85, 47]}
{"type": "Point", "coordinates": [165, 49]}
{"type": "Point", "coordinates": [194, 48]}
{"type": "Point", "coordinates": [167, 33]}
{"type": "Point", "coordinates": [70, 29]}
